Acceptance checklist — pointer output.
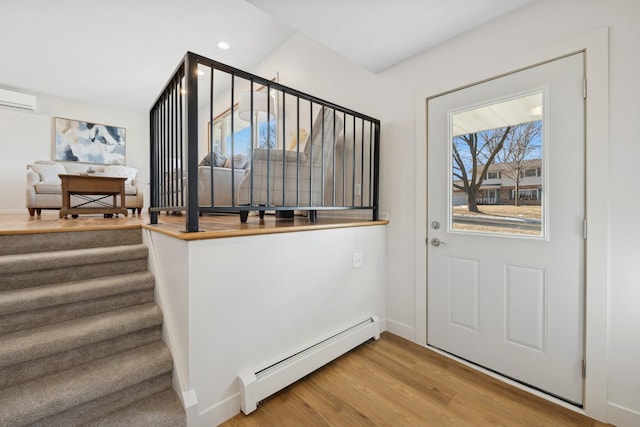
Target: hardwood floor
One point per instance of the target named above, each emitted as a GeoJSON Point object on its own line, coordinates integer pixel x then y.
{"type": "Point", "coordinates": [211, 226]}
{"type": "Point", "coordinates": [393, 382]}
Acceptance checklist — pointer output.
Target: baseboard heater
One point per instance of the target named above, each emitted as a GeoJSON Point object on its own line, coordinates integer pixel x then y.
{"type": "Point", "coordinates": [256, 385]}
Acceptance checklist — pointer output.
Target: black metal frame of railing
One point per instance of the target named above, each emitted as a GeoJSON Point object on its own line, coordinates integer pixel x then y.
{"type": "Point", "coordinates": [174, 155]}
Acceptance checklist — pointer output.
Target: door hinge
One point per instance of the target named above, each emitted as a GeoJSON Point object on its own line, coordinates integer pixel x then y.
{"type": "Point", "coordinates": [584, 229]}
{"type": "Point", "coordinates": [584, 368]}
{"type": "Point", "coordinates": [584, 88]}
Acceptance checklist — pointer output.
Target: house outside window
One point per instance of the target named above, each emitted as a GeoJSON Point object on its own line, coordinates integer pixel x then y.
{"type": "Point", "coordinates": [526, 194]}
{"type": "Point", "coordinates": [531, 172]}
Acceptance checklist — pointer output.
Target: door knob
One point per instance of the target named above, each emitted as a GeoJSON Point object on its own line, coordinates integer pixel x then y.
{"type": "Point", "coordinates": [436, 242]}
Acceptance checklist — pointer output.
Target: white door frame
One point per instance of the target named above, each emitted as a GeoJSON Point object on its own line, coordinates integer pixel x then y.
{"type": "Point", "coordinates": [596, 47]}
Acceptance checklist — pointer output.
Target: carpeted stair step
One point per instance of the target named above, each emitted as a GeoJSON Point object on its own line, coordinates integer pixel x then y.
{"type": "Point", "coordinates": [66, 240]}
{"type": "Point", "coordinates": [80, 333]}
{"type": "Point", "coordinates": [17, 300]}
{"type": "Point", "coordinates": [59, 313]}
{"type": "Point", "coordinates": [30, 370]}
{"type": "Point", "coordinates": [99, 409]}
{"type": "Point", "coordinates": [32, 307]}
{"type": "Point", "coordinates": [54, 394]}
{"type": "Point", "coordinates": [29, 344]}
{"type": "Point", "coordinates": [26, 270]}
{"type": "Point", "coordinates": [162, 409]}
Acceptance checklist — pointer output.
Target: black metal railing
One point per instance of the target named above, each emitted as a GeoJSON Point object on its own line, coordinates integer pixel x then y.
{"type": "Point", "coordinates": [283, 150]}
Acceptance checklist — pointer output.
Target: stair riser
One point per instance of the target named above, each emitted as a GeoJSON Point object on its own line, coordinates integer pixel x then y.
{"type": "Point", "coordinates": [47, 242]}
{"type": "Point", "coordinates": [67, 274]}
{"type": "Point", "coordinates": [33, 369]}
{"type": "Point", "coordinates": [33, 344]}
{"type": "Point", "coordinates": [82, 415]}
{"type": "Point", "coordinates": [163, 409]}
{"type": "Point", "coordinates": [38, 297]}
{"type": "Point", "coordinates": [30, 402]}
{"type": "Point", "coordinates": [22, 263]}
{"type": "Point", "coordinates": [49, 315]}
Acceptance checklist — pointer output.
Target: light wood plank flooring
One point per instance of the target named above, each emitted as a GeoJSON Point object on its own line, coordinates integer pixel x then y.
{"type": "Point", "coordinates": [393, 382]}
{"type": "Point", "coordinates": [211, 226]}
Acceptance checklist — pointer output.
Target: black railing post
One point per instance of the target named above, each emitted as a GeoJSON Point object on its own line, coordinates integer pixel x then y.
{"type": "Point", "coordinates": [362, 165]}
{"type": "Point", "coordinates": [191, 88]}
{"type": "Point", "coordinates": [233, 143]}
{"type": "Point", "coordinates": [153, 163]}
{"type": "Point", "coordinates": [376, 169]}
{"type": "Point", "coordinates": [211, 141]}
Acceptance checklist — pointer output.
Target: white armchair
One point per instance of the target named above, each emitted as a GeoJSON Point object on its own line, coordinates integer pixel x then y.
{"type": "Point", "coordinates": [291, 178]}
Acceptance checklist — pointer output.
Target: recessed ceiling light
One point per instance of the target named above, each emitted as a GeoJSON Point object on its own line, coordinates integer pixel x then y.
{"type": "Point", "coordinates": [223, 45]}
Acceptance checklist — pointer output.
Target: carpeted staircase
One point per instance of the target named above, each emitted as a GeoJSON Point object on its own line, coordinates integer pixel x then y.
{"type": "Point", "coordinates": [80, 333]}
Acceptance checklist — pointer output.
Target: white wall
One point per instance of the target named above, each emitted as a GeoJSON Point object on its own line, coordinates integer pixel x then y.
{"type": "Point", "coordinates": [392, 97]}
{"type": "Point", "coordinates": [251, 301]}
{"type": "Point", "coordinates": [27, 137]}
{"type": "Point", "coordinates": [487, 49]}
{"type": "Point", "coordinates": [482, 53]}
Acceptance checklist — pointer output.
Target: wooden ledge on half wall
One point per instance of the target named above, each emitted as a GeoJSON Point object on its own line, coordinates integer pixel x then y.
{"type": "Point", "coordinates": [211, 226]}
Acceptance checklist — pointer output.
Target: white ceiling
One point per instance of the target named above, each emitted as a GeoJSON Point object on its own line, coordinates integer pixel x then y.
{"type": "Point", "coordinates": [121, 52]}
{"type": "Point", "coordinates": [377, 34]}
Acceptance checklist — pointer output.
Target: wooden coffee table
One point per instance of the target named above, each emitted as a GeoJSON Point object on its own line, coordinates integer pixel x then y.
{"type": "Point", "coordinates": [94, 189]}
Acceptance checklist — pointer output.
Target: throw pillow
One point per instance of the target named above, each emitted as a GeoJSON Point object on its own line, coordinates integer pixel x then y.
{"type": "Point", "coordinates": [123, 171]}
{"type": "Point", "coordinates": [49, 173]}
{"type": "Point", "coordinates": [206, 161]}
{"type": "Point", "coordinates": [240, 161]}
{"type": "Point", "coordinates": [218, 160]}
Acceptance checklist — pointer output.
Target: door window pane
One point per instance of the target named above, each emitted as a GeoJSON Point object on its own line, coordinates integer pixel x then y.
{"type": "Point", "coordinates": [497, 167]}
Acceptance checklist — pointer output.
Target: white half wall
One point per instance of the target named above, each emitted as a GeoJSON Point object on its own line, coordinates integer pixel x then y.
{"type": "Point", "coordinates": [251, 301]}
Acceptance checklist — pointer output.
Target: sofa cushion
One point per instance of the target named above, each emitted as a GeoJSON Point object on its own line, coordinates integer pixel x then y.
{"type": "Point", "coordinates": [48, 188]}
{"type": "Point", "coordinates": [49, 173]}
{"type": "Point", "coordinates": [122, 171]}
{"type": "Point", "coordinates": [74, 168]}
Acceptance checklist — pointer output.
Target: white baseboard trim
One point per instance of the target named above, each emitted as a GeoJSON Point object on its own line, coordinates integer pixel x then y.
{"type": "Point", "coordinates": [404, 331]}
{"type": "Point", "coordinates": [220, 412]}
{"type": "Point", "coordinates": [12, 211]}
{"type": "Point", "coordinates": [190, 401]}
{"type": "Point", "coordinates": [622, 417]}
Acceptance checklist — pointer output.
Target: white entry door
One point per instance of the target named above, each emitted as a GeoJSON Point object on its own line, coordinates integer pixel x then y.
{"type": "Point", "coordinates": [506, 225]}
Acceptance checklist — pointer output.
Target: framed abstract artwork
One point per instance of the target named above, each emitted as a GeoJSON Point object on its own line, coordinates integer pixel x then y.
{"type": "Point", "coordinates": [84, 142]}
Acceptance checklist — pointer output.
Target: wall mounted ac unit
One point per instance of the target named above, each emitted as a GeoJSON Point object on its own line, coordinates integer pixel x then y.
{"type": "Point", "coordinates": [23, 101]}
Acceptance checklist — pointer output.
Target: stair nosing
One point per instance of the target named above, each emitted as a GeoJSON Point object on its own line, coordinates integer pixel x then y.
{"type": "Point", "coordinates": [12, 264]}
{"type": "Point", "coordinates": [24, 299]}
{"type": "Point", "coordinates": [29, 344]}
